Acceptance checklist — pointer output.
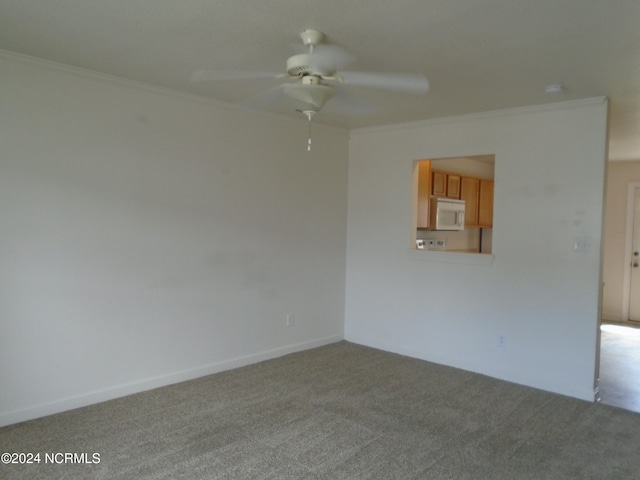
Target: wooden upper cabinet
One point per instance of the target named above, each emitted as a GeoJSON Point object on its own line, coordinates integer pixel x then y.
{"type": "Point", "coordinates": [445, 184]}
{"type": "Point", "coordinates": [469, 192]}
{"type": "Point", "coordinates": [424, 193]}
{"type": "Point", "coordinates": [439, 184]}
{"type": "Point", "coordinates": [485, 203]}
{"type": "Point", "coordinates": [476, 192]}
{"type": "Point", "coordinates": [453, 186]}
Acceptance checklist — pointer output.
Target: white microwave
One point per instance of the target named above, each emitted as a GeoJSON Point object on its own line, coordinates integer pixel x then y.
{"type": "Point", "coordinates": [446, 214]}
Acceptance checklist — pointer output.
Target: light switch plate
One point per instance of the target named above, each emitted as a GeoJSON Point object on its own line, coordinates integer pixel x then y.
{"type": "Point", "coordinates": [581, 244]}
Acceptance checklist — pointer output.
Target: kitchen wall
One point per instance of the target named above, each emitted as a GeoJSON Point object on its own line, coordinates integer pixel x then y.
{"type": "Point", "coordinates": [467, 240]}
{"type": "Point", "coordinates": [531, 315]}
{"type": "Point", "coordinates": [475, 166]}
{"type": "Point", "coordinates": [619, 176]}
{"type": "Point", "coordinates": [150, 237]}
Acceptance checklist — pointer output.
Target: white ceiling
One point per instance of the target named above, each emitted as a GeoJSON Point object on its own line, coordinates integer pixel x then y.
{"type": "Point", "coordinates": [478, 55]}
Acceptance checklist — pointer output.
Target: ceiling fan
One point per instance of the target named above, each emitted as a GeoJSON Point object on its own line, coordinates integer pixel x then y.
{"type": "Point", "coordinates": [317, 78]}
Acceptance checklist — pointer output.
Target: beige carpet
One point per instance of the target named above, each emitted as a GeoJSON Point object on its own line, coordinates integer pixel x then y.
{"type": "Point", "coordinates": [338, 412]}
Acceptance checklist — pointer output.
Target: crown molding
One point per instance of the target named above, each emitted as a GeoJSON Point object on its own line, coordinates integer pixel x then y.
{"type": "Point", "coordinates": [148, 87]}
{"type": "Point", "coordinates": [546, 107]}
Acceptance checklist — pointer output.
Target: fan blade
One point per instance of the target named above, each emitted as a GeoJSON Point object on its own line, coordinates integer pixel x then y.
{"type": "Point", "coordinates": [329, 58]}
{"type": "Point", "coordinates": [325, 58]}
{"type": "Point", "coordinates": [265, 98]}
{"type": "Point", "coordinates": [349, 103]}
{"type": "Point", "coordinates": [400, 82]}
{"type": "Point", "coordinates": [215, 76]}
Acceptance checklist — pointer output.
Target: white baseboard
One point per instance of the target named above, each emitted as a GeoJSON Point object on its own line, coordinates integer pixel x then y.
{"type": "Point", "coordinates": [159, 381]}
{"type": "Point", "coordinates": [611, 317]}
{"type": "Point", "coordinates": [574, 391]}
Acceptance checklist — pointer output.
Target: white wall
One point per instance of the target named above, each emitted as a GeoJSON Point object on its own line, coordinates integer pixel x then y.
{"type": "Point", "coordinates": [149, 237]}
{"type": "Point", "coordinates": [538, 293]}
{"type": "Point", "coordinates": [464, 166]}
{"type": "Point", "coordinates": [619, 176]}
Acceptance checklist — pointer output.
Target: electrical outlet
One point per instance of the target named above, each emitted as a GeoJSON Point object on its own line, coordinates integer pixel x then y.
{"type": "Point", "coordinates": [502, 341]}
{"type": "Point", "coordinates": [425, 243]}
{"type": "Point", "coordinates": [290, 320]}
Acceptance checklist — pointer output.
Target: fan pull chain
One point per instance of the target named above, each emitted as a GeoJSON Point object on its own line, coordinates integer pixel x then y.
{"type": "Point", "coordinates": [309, 114]}
{"type": "Point", "coordinates": [309, 135]}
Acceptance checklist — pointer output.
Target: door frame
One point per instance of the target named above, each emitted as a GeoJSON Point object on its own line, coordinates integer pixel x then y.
{"type": "Point", "coordinates": [626, 285]}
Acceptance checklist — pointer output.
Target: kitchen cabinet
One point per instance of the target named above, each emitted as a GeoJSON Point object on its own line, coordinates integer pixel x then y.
{"type": "Point", "coordinates": [424, 193]}
{"type": "Point", "coordinates": [476, 192]}
{"type": "Point", "coordinates": [445, 184]}
{"type": "Point", "coordinates": [439, 184]}
{"type": "Point", "coordinates": [469, 192]}
{"type": "Point", "coordinates": [453, 186]}
{"type": "Point", "coordinates": [485, 203]}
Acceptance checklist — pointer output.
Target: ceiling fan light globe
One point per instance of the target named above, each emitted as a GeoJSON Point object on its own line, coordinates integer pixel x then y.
{"type": "Point", "coordinates": [314, 95]}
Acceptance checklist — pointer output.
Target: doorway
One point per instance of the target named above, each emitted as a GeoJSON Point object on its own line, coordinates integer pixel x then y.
{"type": "Point", "coordinates": [632, 254]}
{"type": "Point", "coordinates": [620, 366]}
{"type": "Point", "coordinates": [619, 352]}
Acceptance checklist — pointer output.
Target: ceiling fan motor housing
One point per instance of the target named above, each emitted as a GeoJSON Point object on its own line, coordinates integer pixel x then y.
{"type": "Point", "coordinates": [306, 64]}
